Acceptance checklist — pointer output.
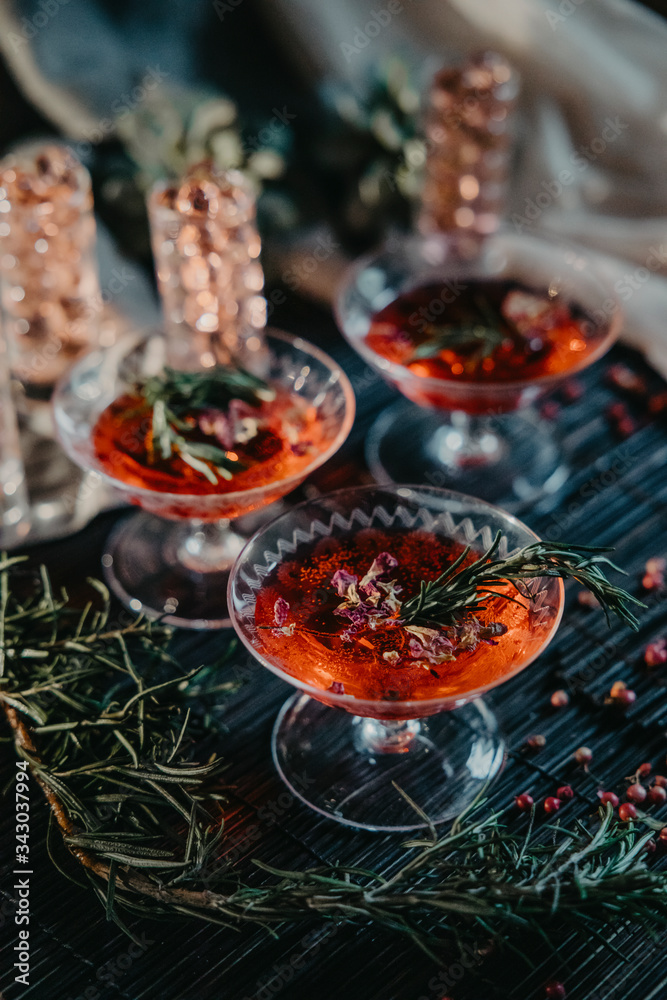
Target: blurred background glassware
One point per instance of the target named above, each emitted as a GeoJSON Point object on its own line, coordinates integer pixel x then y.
{"type": "Point", "coordinates": [14, 506]}
{"type": "Point", "coordinates": [51, 306]}
{"type": "Point", "coordinates": [469, 135]}
{"type": "Point", "coordinates": [48, 269]}
{"type": "Point", "coordinates": [353, 759]}
{"type": "Point", "coordinates": [479, 435]}
{"type": "Point", "coordinates": [173, 559]}
{"type": "Point", "coordinates": [206, 249]}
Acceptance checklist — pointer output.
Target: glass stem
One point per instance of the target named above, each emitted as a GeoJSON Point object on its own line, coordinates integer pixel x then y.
{"type": "Point", "coordinates": [380, 736]}
{"type": "Point", "coordinates": [208, 546]}
{"type": "Point", "coordinates": [467, 439]}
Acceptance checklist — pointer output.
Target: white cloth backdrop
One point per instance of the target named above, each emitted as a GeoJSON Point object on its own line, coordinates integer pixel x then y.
{"type": "Point", "coordinates": [592, 150]}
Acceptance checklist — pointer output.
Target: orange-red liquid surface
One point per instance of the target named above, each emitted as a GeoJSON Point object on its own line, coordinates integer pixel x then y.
{"type": "Point", "coordinates": [288, 440]}
{"type": "Point", "coordinates": [316, 655]}
{"type": "Point", "coordinates": [538, 341]}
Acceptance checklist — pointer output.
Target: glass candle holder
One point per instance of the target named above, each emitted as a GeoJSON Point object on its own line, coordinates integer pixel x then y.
{"type": "Point", "coordinates": [468, 131]}
{"type": "Point", "coordinates": [50, 286]}
{"type": "Point", "coordinates": [14, 508]}
{"type": "Point", "coordinates": [206, 250]}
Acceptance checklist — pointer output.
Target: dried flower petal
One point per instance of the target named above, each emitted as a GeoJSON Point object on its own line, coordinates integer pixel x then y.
{"type": "Point", "coordinates": [280, 611]}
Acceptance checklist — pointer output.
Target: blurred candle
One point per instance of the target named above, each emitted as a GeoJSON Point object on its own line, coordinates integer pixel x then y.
{"type": "Point", "coordinates": [50, 288]}
{"type": "Point", "coordinates": [206, 250]}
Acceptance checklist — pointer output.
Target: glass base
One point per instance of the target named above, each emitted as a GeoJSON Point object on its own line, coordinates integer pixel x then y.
{"type": "Point", "coordinates": [513, 458]}
{"type": "Point", "coordinates": [173, 570]}
{"type": "Point", "coordinates": [347, 767]}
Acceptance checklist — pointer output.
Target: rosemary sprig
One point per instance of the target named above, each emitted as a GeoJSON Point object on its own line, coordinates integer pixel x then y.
{"type": "Point", "coordinates": [464, 589]}
{"type": "Point", "coordinates": [143, 816]}
{"type": "Point", "coordinates": [175, 397]}
{"type": "Point", "coordinates": [479, 336]}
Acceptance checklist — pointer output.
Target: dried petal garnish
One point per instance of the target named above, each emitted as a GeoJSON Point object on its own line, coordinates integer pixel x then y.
{"type": "Point", "coordinates": [200, 416]}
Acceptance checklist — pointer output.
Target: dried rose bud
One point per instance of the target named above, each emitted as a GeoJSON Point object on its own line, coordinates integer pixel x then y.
{"type": "Point", "coordinates": [644, 770]}
{"type": "Point", "coordinates": [660, 779]}
{"type": "Point", "coordinates": [650, 846]}
{"type": "Point", "coordinates": [655, 653]}
{"type": "Point", "coordinates": [653, 581]}
{"type": "Point", "coordinates": [560, 698]}
{"type": "Point", "coordinates": [536, 742]}
{"type": "Point", "coordinates": [616, 688]}
{"type": "Point", "coordinates": [524, 802]}
{"type": "Point", "coordinates": [627, 812]}
{"type": "Point", "coordinates": [583, 756]}
{"type": "Point", "coordinates": [565, 792]}
{"type": "Point", "coordinates": [657, 795]}
{"type": "Point", "coordinates": [663, 833]}
{"type": "Point", "coordinates": [608, 797]}
{"type": "Point", "coordinates": [636, 793]}
{"type": "Point", "coordinates": [552, 804]}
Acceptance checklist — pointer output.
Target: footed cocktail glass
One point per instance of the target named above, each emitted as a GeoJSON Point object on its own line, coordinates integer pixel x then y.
{"type": "Point", "coordinates": [410, 721]}
{"type": "Point", "coordinates": [474, 426]}
{"type": "Point", "coordinates": [172, 560]}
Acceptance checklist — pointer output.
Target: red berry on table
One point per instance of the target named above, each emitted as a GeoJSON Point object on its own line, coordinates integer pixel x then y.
{"type": "Point", "coordinates": [617, 411]}
{"type": "Point", "coordinates": [583, 756]}
{"type": "Point", "coordinates": [625, 698]}
{"type": "Point", "coordinates": [609, 797]}
{"type": "Point", "coordinates": [549, 409]}
{"type": "Point", "coordinates": [560, 699]}
{"type": "Point", "coordinates": [555, 991]}
{"type": "Point", "coordinates": [572, 390]}
{"type": "Point", "coordinates": [627, 812]}
{"type": "Point", "coordinates": [587, 600]}
{"type": "Point", "coordinates": [626, 427]}
{"type": "Point", "coordinates": [552, 804]}
{"type": "Point", "coordinates": [655, 653]}
{"type": "Point", "coordinates": [636, 793]}
{"type": "Point", "coordinates": [565, 793]}
{"type": "Point", "coordinates": [524, 802]}
{"type": "Point", "coordinates": [657, 795]}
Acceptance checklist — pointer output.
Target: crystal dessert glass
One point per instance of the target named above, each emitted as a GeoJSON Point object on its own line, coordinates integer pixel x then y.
{"type": "Point", "coordinates": [172, 560]}
{"type": "Point", "coordinates": [478, 432]}
{"type": "Point", "coordinates": [363, 728]}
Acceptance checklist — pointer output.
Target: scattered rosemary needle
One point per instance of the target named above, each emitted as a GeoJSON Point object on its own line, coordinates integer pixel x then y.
{"type": "Point", "coordinates": [463, 589]}
{"type": "Point", "coordinates": [117, 739]}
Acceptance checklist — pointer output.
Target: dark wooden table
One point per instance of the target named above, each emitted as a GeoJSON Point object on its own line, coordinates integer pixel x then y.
{"type": "Point", "coordinates": [616, 495]}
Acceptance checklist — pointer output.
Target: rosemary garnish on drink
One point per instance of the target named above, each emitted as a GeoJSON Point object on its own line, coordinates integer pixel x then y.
{"type": "Point", "coordinates": [192, 416]}
{"type": "Point", "coordinates": [463, 590]}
